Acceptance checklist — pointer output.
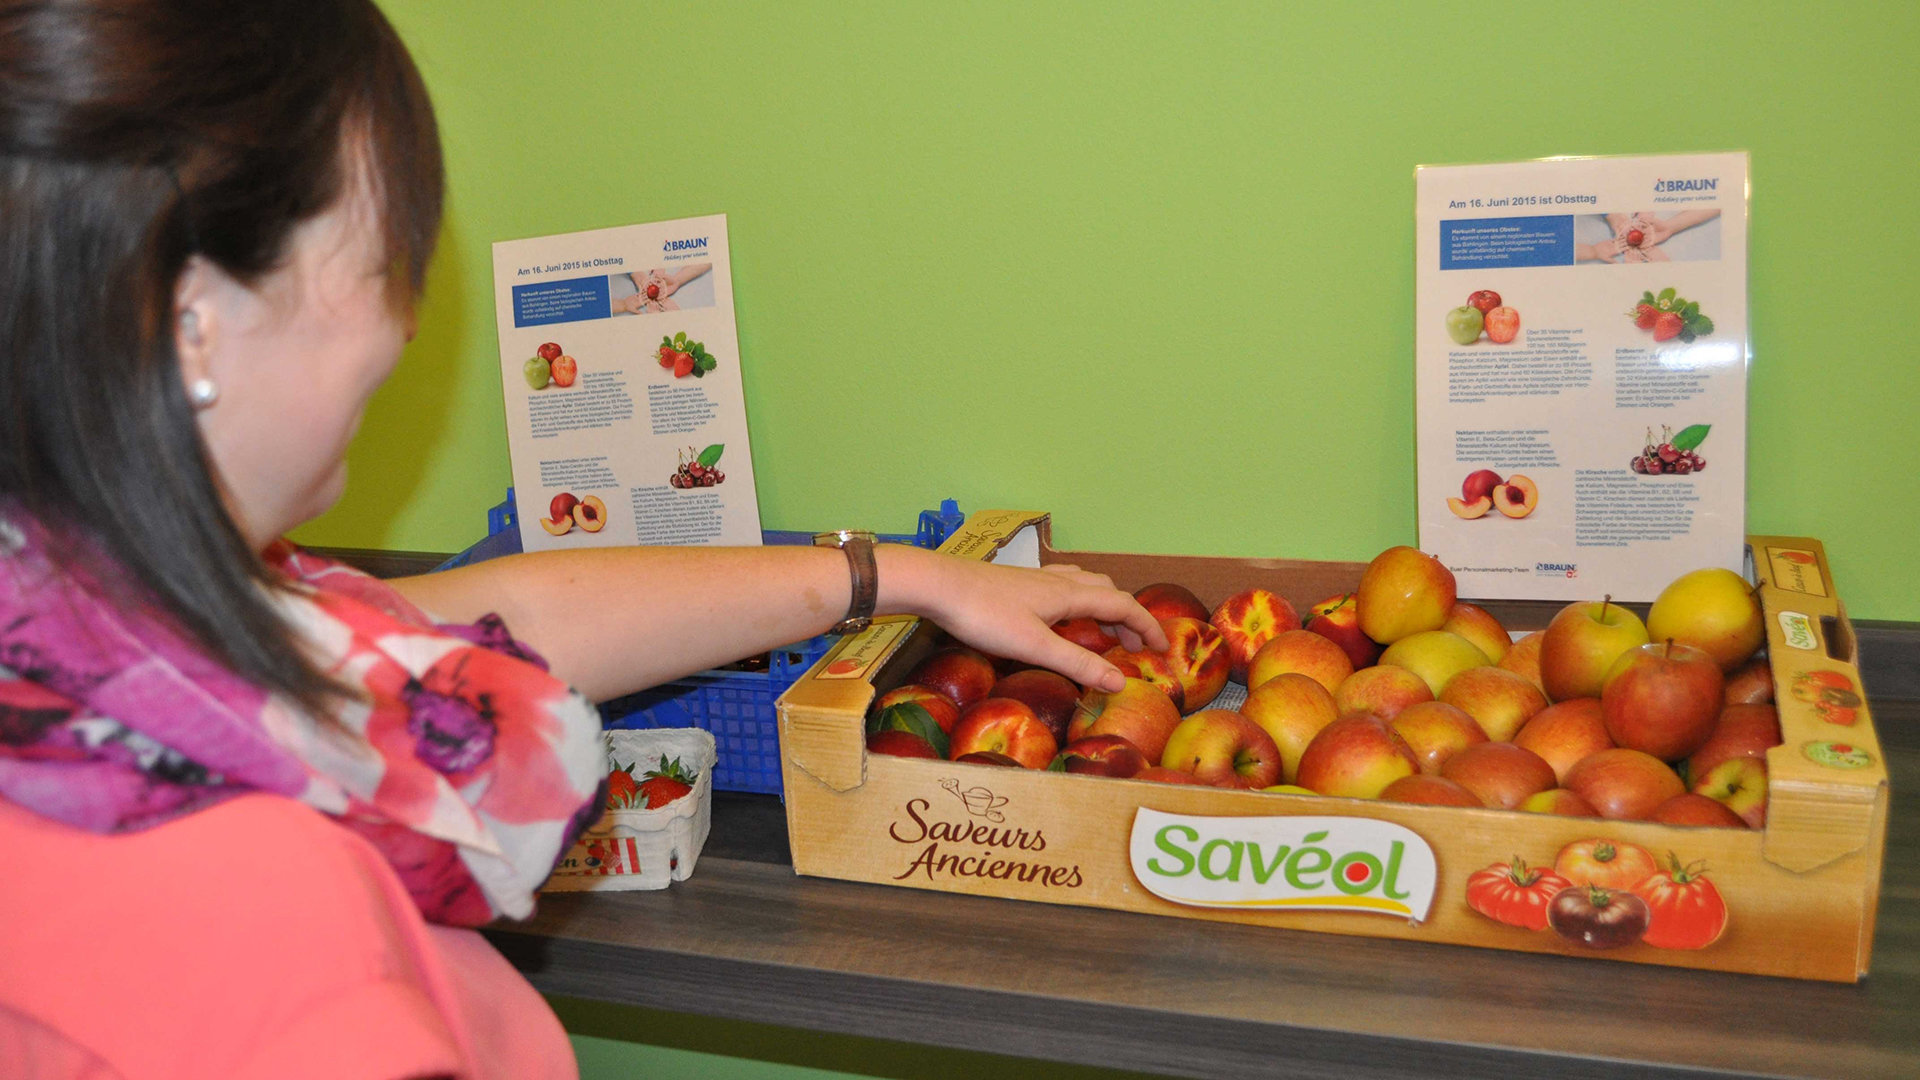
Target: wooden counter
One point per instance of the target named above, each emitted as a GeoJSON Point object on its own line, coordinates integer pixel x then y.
{"type": "Point", "coordinates": [746, 939]}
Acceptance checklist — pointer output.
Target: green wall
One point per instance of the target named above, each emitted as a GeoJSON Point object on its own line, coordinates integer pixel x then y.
{"type": "Point", "coordinates": [1146, 266]}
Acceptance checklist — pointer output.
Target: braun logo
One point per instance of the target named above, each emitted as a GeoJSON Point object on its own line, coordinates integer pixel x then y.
{"type": "Point", "coordinates": [1710, 183]}
{"type": "Point", "coordinates": [698, 243]}
{"type": "Point", "coordinates": [1555, 568]}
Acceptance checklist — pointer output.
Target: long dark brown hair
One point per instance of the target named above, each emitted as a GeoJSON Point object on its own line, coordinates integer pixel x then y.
{"type": "Point", "coordinates": [133, 135]}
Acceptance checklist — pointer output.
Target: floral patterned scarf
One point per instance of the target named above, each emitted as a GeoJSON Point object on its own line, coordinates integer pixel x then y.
{"type": "Point", "coordinates": [464, 762]}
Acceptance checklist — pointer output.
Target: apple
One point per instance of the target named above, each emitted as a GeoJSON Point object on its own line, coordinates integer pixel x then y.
{"type": "Point", "coordinates": [1003, 726]}
{"type": "Point", "coordinates": [1740, 784]}
{"type": "Point", "coordinates": [938, 705]}
{"type": "Point", "coordinates": [1168, 776]}
{"type": "Point", "coordinates": [1337, 618]}
{"type": "Point", "coordinates": [1714, 610]}
{"type": "Point", "coordinates": [1558, 801]}
{"type": "Point", "coordinates": [1741, 731]}
{"type": "Point", "coordinates": [1052, 697]}
{"type": "Point", "coordinates": [1500, 773]}
{"type": "Point", "coordinates": [1500, 701]}
{"type": "Point", "coordinates": [1694, 809]}
{"type": "Point", "coordinates": [1473, 622]}
{"type": "Point", "coordinates": [537, 372]}
{"type": "Point", "coordinates": [1302, 652]}
{"type": "Point", "coordinates": [1291, 709]}
{"type": "Point", "coordinates": [1479, 485]}
{"type": "Point", "coordinates": [1484, 300]}
{"type": "Point", "coordinates": [1751, 684]}
{"type": "Point", "coordinates": [590, 513]}
{"type": "Point", "coordinates": [1103, 755]}
{"type": "Point", "coordinates": [549, 351]}
{"type": "Point", "coordinates": [1429, 791]}
{"type": "Point", "coordinates": [989, 757]}
{"type": "Point", "coordinates": [1565, 732]}
{"type": "Point", "coordinates": [1503, 325]}
{"type": "Point", "coordinates": [895, 743]}
{"type": "Point", "coordinates": [1623, 784]}
{"type": "Point", "coordinates": [1663, 699]}
{"type": "Point", "coordinates": [1382, 691]}
{"type": "Point", "coordinates": [1524, 660]}
{"type": "Point", "coordinates": [1157, 668]}
{"type": "Point", "coordinates": [964, 675]}
{"type": "Point", "coordinates": [1165, 600]}
{"type": "Point", "coordinates": [1138, 712]}
{"type": "Point", "coordinates": [1434, 655]}
{"type": "Point", "coordinates": [1581, 644]}
{"type": "Point", "coordinates": [1249, 619]}
{"type": "Point", "coordinates": [1356, 756]}
{"type": "Point", "coordinates": [1086, 633]}
{"type": "Point", "coordinates": [1464, 325]}
{"type": "Point", "coordinates": [1404, 591]}
{"type": "Point", "coordinates": [1436, 731]}
{"type": "Point", "coordinates": [565, 370]}
{"type": "Point", "coordinates": [1223, 748]}
{"type": "Point", "coordinates": [1201, 660]}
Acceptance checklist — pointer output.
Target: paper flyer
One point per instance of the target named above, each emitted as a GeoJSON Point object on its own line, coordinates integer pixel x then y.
{"type": "Point", "coordinates": [1581, 372]}
{"type": "Point", "coordinates": [626, 416]}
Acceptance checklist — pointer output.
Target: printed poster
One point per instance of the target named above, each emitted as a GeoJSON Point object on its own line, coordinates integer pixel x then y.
{"type": "Point", "coordinates": [1581, 349]}
{"type": "Point", "coordinates": [626, 416]}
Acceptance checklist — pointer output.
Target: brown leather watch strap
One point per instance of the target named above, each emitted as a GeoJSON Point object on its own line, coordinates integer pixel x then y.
{"type": "Point", "coordinates": [865, 576]}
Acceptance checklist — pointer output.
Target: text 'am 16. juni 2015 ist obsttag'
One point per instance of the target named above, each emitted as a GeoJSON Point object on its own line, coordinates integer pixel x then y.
{"type": "Point", "coordinates": [1284, 863]}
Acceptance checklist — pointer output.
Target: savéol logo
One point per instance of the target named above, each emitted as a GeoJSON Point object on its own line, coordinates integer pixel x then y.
{"type": "Point", "coordinates": [1705, 183]}
{"type": "Point", "coordinates": [1272, 863]}
{"type": "Point", "coordinates": [1556, 569]}
{"type": "Point", "coordinates": [697, 243]}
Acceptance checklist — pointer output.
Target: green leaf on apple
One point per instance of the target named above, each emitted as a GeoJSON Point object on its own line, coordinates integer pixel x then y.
{"type": "Point", "coordinates": [1691, 437]}
{"type": "Point", "coordinates": [913, 719]}
{"type": "Point", "coordinates": [711, 455]}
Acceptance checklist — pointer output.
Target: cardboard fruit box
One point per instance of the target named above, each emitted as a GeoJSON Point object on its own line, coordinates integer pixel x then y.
{"type": "Point", "coordinates": [1800, 894]}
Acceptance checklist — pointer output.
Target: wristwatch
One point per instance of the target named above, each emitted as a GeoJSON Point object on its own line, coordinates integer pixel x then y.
{"type": "Point", "coordinates": [866, 577]}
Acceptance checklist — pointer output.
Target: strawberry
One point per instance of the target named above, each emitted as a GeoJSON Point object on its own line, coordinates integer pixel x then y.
{"type": "Point", "coordinates": [682, 365]}
{"type": "Point", "coordinates": [1644, 315]}
{"type": "Point", "coordinates": [666, 783]}
{"type": "Point", "coordinates": [622, 788]}
{"type": "Point", "coordinates": [1667, 325]}
{"type": "Point", "coordinates": [666, 355]}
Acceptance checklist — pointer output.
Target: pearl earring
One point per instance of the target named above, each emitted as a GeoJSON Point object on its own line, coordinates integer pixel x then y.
{"type": "Point", "coordinates": [203, 393]}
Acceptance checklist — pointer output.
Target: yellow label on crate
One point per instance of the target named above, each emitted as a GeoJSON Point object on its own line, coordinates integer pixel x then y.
{"type": "Point", "coordinates": [1797, 630]}
{"type": "Point", "coordinates": [873, 645]}
{"type": "Point", "coordinates": [1797, 570]}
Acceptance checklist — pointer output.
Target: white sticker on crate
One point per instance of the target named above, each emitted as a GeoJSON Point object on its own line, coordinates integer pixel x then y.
{"type": "Point", "coordinates": [1284, 863]}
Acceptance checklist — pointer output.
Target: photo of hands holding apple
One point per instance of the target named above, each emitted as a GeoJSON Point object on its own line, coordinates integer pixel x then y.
{"type": "Point", "coordinates": [1644, 236]}
{"type": "Point", "coordinates": [1397, 691]}
{"type": "Point", "coordinates": [658, 289]}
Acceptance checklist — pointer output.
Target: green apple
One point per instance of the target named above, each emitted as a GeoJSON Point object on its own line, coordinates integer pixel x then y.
{"type": "Point", "coordinates": [1464, 325]}
{"type": "Point", "coordinates": [1712, 609]}
{"type": "Point", "coordinates": [538, 372]}
{"type": "Point", "coordinates": [1434, 655]}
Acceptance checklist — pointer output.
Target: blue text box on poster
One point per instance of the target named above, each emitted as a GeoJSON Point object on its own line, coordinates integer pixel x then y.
{"type": "Point", "coordinates": [574, 300]}
{"type": "Point", "coordinates": [1490, 243]}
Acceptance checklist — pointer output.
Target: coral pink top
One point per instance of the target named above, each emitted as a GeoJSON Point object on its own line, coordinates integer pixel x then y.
{"type": "Point", "coordinates": [256, 938]}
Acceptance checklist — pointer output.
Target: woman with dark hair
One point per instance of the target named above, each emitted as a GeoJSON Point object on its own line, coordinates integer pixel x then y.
{"type": "Point", "coordinates": [247, 796]}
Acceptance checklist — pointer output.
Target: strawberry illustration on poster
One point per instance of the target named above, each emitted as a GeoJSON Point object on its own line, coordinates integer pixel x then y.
{"type": "Point", "coordinates": [621, 368]}
{"type": "Point", "coordinates": [1581, 353]}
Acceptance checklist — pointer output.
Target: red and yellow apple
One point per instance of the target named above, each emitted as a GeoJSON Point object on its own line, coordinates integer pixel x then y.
{"type": "Point", "coordinates": [1580, 645]}
{"type": "Point", "coordinates": [1223, 748]}
{"type": "Point", "coordinates": [1559, 801]}
{"type": "Point", "coordinates": [1165, 600]}
{"type": "Point", "coordinates": [1501, 774]}
{"type": "Point", "coordinates": [938, 705]}
{"type": "Point", "coordinates": [1693, 809]}
{"type": "Point", "coordinates": [1382, 690]}
{"type": "Point", "coordinates": [1337, 618]}
{"type": "Point", "coordinates": [1052, 696]}
{"type": "Point", "coordinates": [1302, 652]}
{"type": "Point", "coordinates": [1103, 755]}
{"type": "Point", "coordinates": [1662, 699]}
{"type": "Point", "coordinates": [1429, 791]}
{"type": "Point", "coordinates": [1751, 683]}
{"type": "Point", "coordinates": [1086, 633]}
{"type": "Point", "coordinates": [1356, 756]}
{"type": "Point", "coordinates": [1476, 624]}
{"type": "Point", "coordinates": [1003, 726]}
{"type": "Point", "coordinates": [1741, 731]}
{"type": "Point", "coordinates": [1566, 732]}
{"type": "Point", "coordinates": [1435, 732]}
{"type": "Point", "coordinates": [1623, 784]}
{"type": "Point", "coordinates": [1138, 712]}
{"type": "Point", "coordinates": [962, 674]}
{"type": "Point", "coordinates": [1249, 619]}
{"type": "Point", "coordinates": [1524, 660]}
{"type": "Point", "coordinates": [1403, 591]}
{"type": "Point", "coordinates": [1434, 655]}
{"type": "Point", "coordinates": [1497, 699]}
{"type": "Point", "coordinates": [1292, 709]}
{"type": "Point", "coordinates": [1740, 784]}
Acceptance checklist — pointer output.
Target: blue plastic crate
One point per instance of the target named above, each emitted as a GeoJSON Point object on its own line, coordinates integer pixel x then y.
{"type": "Point", "coordinates": [735, 704]}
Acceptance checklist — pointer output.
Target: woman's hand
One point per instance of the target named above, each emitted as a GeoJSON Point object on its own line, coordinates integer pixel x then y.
{"type": "Point", "coordinates": [1010, 611]}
